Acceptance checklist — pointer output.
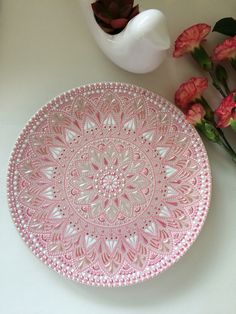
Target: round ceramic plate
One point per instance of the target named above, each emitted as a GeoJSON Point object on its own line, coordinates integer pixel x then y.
{"type": "Point", "coordinates": [108, 185]}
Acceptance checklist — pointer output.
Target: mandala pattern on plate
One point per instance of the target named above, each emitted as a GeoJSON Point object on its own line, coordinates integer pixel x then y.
{"type": "Point", "coordinates": [108, 184]}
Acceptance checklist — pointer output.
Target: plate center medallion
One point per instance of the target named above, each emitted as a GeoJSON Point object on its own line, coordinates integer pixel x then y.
{"type": "Point", "coordinates": [107, 182]}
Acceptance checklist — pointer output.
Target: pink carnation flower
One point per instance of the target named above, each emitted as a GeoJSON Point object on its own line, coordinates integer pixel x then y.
{"type": "Point", "coordinates": [190, 39]}
{"type": "Point", "coordinates": [189, 91]}
{"type": "Point", "coordinates": [225, 50]}
{"type": "Point", "coordinates": [226, 112]}
{"type": "Point", "coordinates": [195, 114]}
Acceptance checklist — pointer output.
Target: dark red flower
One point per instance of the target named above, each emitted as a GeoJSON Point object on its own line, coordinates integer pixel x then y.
{"type": "Point", "coordinates": [113, 15]}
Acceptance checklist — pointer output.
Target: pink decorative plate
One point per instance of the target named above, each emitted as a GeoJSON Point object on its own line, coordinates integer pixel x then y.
{"type": "Point", "coordinates": [108, 185]}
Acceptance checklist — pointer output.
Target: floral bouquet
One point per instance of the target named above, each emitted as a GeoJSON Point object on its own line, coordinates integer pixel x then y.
{"type": "Point", "coordinates": [189, 96]}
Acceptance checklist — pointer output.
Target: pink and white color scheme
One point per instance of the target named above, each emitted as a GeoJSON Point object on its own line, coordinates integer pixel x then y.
{"type": "Point", "coordinates": [108, 184]}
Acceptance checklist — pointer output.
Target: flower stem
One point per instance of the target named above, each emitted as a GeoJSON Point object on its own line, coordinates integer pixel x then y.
{"type": "Point", "coordinates": [231, 153]}
{"type": "Point", "coordinates": [221, 77]}
{"type": "Point", "coordinates": [209, 111]}
{"type": "Point", "coordinates": [216, 84]}
{"type": "Point", "coordinates": [215, 135]}
{"type": "Point", "coordinates": [226, 87]}
{"type": "Point", "coordinates": [233, 63]}
{"type": "Point", "coordinates": [226, 141]}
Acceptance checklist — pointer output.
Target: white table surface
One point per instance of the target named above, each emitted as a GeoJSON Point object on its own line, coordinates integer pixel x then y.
{"type": "Point", "coordinates": [46, 49]}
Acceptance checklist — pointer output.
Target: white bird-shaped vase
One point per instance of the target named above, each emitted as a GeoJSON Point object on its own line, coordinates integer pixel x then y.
{"type": "Point", "coordinates": [140, 47]}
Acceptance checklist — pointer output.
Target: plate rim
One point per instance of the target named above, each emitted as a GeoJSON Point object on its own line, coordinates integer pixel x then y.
{"type": "Point", "coordinates": [106, 85]}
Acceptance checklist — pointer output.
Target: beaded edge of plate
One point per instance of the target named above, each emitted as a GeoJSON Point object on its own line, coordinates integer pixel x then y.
{"type": "Point", "coordinates": [149, 272]}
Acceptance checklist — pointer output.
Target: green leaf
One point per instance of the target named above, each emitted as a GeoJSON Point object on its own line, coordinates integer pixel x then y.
{"type": "Point", "coordinates": [226, 26]}
{"type": "Point", "coordinates": [233, 125]}
{"type": "Point", "coordinates": [209, 131]}
{"type": "Point", "coordinates": [222, 77]}
{"type": "Point", "coordinates": [221, 74]}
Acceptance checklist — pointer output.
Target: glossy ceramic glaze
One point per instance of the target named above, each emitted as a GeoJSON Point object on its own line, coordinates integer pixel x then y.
{"type": "Point", "coordinates": [141, 47]}
{"type": "Point", "coordinates": [108, 184]}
